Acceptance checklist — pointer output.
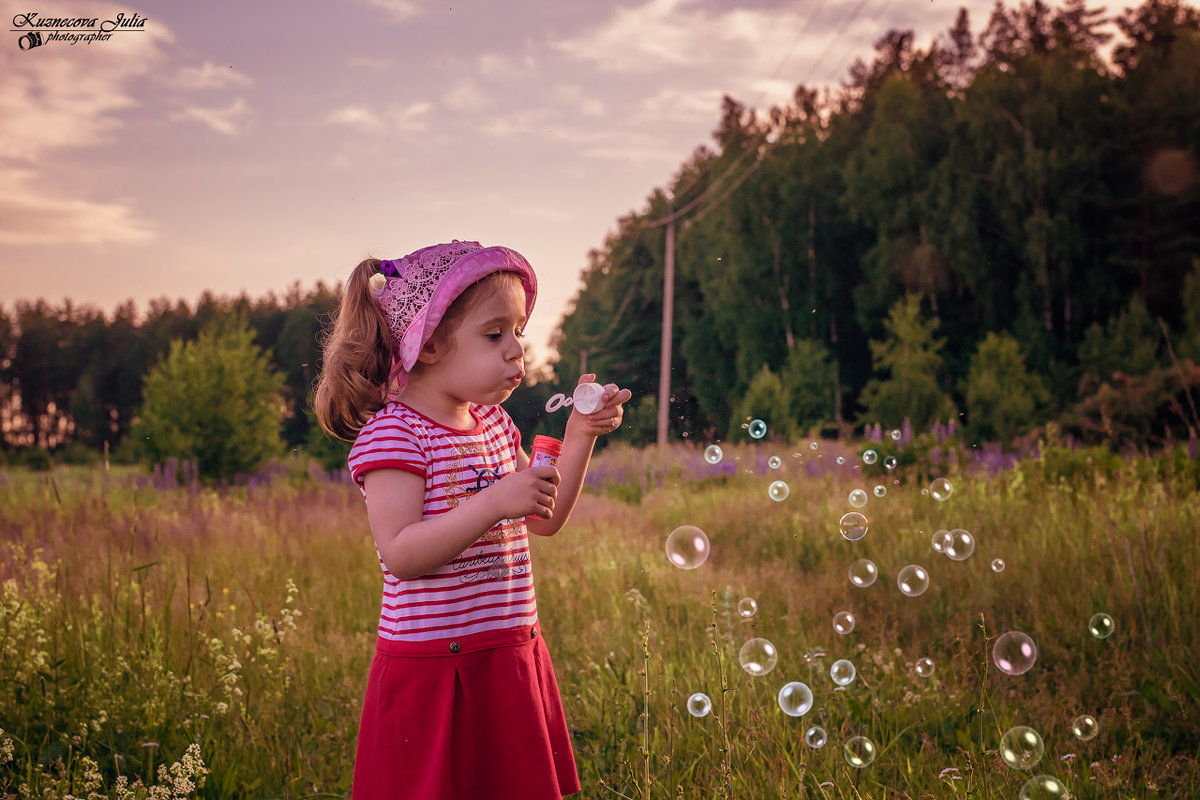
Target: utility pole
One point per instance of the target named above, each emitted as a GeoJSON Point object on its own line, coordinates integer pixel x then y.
{"type": "Point", "coordinates": [664, 373]}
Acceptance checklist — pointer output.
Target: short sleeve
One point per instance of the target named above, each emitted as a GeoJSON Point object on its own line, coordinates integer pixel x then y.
{"type": "Point", "coordinates": [386, 442]}
{"type": "Point", "coordinates": [514, 435]}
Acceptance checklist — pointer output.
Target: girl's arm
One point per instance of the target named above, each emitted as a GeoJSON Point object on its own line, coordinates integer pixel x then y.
{"type": "Point", "coordinates": [578, 441]}
{"type": "Point", "coordinates": [411, 546]}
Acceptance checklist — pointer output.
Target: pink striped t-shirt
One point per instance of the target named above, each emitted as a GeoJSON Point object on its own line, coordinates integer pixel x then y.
{"type": "Point", "coordinates": [489, 586]}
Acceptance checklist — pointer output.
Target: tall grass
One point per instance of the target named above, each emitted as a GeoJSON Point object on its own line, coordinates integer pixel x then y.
{"type": "Point", "coordinates": [136, 623]}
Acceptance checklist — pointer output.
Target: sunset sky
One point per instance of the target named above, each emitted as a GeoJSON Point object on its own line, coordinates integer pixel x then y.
{"type": "Point", "coordinates": [247, 146]}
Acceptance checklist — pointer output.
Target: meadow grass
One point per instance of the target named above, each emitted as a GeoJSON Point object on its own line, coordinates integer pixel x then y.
{"type": "Point", "coordinates": [136, 624]}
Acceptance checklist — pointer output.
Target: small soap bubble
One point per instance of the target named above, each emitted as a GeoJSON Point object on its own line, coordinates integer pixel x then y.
{"type": "Point", "coordinates": [940, 489]}
{"type": "Point", "coordinates": [853, 526]}
{"type": "Point", "coordinates": [815, 737]}
{"type": "Point", "coordinates": [778, 491]}
{"type": "Point", "coordinates": [1014, 653]}
{"type": "Point", "coordinates": [890, 462]}
{"type": "Point", "coordinates": [1085, 727]}
{"type": "Point", "coordinates": [713, 454]}
{"type": "Point", "coordinates": [998, 565]}
{"type": "Point", "coordinates": [699, 704]}
{"type": "Point", "coordinates": [869, 457]}
{"type": "Point", "coordinates": [795, 699]}
{"type": "Point", "coordinates": [844, 622]}
{"type": "Point", "coordinates": [840, 460]}
{"type": "Point", "coordinates": [747, 607]}
{"type": "Point", "coordinates": [757, 429]}
{"type": "Point", "coordinates": [913, 580]}
{"type": "Point", "coordinates": [774, 462]}
{"type": "Point", "coordinates": [859, 752]}
{"type": "Point", "coordinates": [960, 545]}
{"type": "Point", "coordinates": [813, 445]}
{"type": "Point", "coordinates": [857, 498]}
{"type": "Point", "coordinates": [687, 547]}
{"type": "Point", "coordinates": [1101, 625]}
{"type": "Point", "coordinates": [1021, 747]}
{"type": "Point", "coordinates": [758, 656]}
{"type": "Point", "coordinates": [880, 490]}
{"type": "Point", "coordinates": [924, 667]}
{"type": "Point", "coordinates": [1043, 787]}
{"type": "Point", "coordinates": [925, 492]}
{"type": "Point", "coordinates": [863, 573]}
{"type": "Point", "coordinates": [939, 541]}
{"type": "Point", "coordinates": [896, 434]}
{"type": "Point", "coordinates": [842, 672]}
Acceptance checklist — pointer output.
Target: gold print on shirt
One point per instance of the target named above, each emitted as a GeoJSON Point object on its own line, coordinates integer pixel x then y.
{"type": "Point", "coordinates": [463, 481]}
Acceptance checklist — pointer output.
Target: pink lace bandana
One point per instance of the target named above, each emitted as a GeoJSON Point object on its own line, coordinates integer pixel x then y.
{"type": "Point", "coordinates": [422, 285]}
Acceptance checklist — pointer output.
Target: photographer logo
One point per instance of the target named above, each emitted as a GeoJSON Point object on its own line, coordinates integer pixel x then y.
{"type": "Point", "coordinates": [35, 30]}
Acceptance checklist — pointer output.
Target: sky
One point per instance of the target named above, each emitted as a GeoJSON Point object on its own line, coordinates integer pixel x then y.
{"type": "Point", "coordinates": [247, 147]}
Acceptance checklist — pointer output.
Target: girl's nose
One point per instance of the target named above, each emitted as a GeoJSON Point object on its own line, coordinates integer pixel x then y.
{"type": "Point", "coordinates": [516, 349]}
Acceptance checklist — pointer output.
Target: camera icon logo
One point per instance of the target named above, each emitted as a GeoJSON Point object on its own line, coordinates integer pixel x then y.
{"type": "Point", "coordinates": [30, 40]}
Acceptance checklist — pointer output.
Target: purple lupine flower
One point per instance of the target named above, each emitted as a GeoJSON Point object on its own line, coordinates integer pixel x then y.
{"type": "Point", "coordinates": [906, 432]}
{"type": "Point", "coordinates": [952, 457]}
{"type": "Point", "coordinates": [935, 455]}
{"type": "Point", "coordinates": [949, 428]}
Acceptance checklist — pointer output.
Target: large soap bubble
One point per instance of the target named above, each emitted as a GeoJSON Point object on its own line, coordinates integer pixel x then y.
{"type": "Point", "coordinates": [687, 547]}
{"type": "Point", "coordinates": [747, 607]}
{"type": "Point", "coordinates": [913, 580]}
{"type": "Point", "coordinates": [778, 491]}
{"type": "Point", "coordinates": [1021, 747]}
{"type": "Point", "coordinates": [842, 672]}
{"type": "Point", "coordinates": [858, 498]}
{"type": "Point", "coordinates": [758, 656]}
{"type": "Point", "coordinates": [940, 489]}
{"type": "Point", "coordinates": [1101, 625]}
{"type": "Point", "coordinates": [961, 544]}
{"type": "Point", "coordinates": [795, 699]}
{"type": "Point", "coordinates": [939, 540]}
{"type": "Point", "coordinates": [757, 429]}
{"type": "Point", "coordinates": [1085, 727]}
{"type": "Point", "coordinates": [816, 737]}
{"type": "Point", "coordinates": [1014, 653]}
{"type": "Point", "coordinates": [863, 573]}
{"type": "Point", "coordinates": [699, 704]}
{"type": "Point", "coordinates": [859, 752]}
{"type": "Point", "coordinates": [853, 526]}
{"type": "Point", "coordinates": [924, 667]}
{"type": "Point", "coordinates": [1043, 787]}
{"type": "Point", "coordinates": [869, 457]}
{"type": "Point", "coordinates": [713, 454]}
{"type": "Point", "coordinates": [844, 622]}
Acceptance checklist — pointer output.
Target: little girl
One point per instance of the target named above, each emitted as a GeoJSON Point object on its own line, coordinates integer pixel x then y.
{"type": "Point", "coordinates": [461, 700]}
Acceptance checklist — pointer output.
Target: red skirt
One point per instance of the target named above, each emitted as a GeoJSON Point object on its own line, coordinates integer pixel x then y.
{"type": "Point", "coordinates": [477, 718]}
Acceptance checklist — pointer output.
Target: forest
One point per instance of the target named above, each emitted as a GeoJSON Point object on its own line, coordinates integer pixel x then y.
{"type": "Point", "coordinates": [1001, 229]}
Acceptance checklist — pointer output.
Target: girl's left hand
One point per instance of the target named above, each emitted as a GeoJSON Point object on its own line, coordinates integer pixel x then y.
{"type": "Point", "coordinates": [608, 418]}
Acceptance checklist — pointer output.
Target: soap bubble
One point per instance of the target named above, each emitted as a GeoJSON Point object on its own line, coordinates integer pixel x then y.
{"type": "Point", "coordinates": [795, 699]}
{"type": "Point", "coordinates": [940, 489]}
{"type": "Point", "coordinates": [859, 751]}
{"type": "Point", "coordinates": [1021, 747]}
{"type": "Point", "coordinates": [924, 666]}
{"type": "Point", "coordinates": [1101, 625]}
{"type": "Point", "coordinates": [844, 622]}
{"type": "Point", "coordinates": [687, 547]}
{"type": "Point", "coordinates": [699, 704]}
{"type": "Point", "coordinates": [890, 462]}
{"type": "Point", "coordinates": [747, 607]}
{"type": "Point", "coordinates": [757, 429]}
{"type": "Point", "coordinates": [857, 498]}
{"type": "Point", "coordinates": [774, 462]}
{"type": "Point", "coordinates": [813, 445]}
{"type": "Point", "coordinates": [913, 580]}
{"type": "Point", "coordinates": [863, 572]}
{"type": "Point", "coordinates": [998, 565]}
{"type": "Point", "coordinates": [853, 526]}
{"type": "Point", "coordinates": [880, 490]}
{"type": "Point", "coordinates": [939, 541]}
{"type": "Point", "coordinates": [896, 434]}
{"type": "Point", "coordinates": [1085, 727]}
{"type": "Point", "coordinates": [961, 544]}
{"type": "Point", "coordinates": [778, 491]}
{"type": "Point", "coordinates": [815, 737]}
{"type": "Point", "coordinates": [1043, 787]}
{"type": "Point", "coordinates": [1014, 653]}
{"type": "Point", "coordinates": [842, 672]}
{"type": "Point", "coordinates": [869, 457]}
{"type": "Point", "coordinates": [840, 461]}
{"type": "Point", "coordinates": [758, 656]}
{"type": "Point", "coordinates": [713, 454]}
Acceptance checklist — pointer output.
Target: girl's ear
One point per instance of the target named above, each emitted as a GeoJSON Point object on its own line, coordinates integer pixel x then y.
{"type": "Point", "coordinates": [430, 353]}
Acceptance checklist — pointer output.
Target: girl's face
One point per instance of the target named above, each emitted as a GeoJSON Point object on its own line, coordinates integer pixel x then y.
{"type": "Point", "coordinates": [484, 357]}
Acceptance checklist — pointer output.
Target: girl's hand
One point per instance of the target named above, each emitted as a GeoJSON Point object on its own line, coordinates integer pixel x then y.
{"type": "Point", "coordinates": [524, 492]}
{"type": "Point", "coordinates": [609, 417]}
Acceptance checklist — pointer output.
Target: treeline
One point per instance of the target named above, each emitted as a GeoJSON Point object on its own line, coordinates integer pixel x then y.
{"type": "Point", "coordinates": [992, 227]}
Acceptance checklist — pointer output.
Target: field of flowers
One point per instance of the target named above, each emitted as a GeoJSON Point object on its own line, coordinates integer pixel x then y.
{"type": "Point", "coordinates": [162, 639]}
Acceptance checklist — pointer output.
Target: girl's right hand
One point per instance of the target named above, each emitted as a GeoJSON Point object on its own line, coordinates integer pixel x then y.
{"type": "Point", "coordinates": [527, 491]}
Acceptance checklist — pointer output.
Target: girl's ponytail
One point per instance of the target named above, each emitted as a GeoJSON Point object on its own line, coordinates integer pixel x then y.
{"type": "Point", "coordinates": [357, 361]}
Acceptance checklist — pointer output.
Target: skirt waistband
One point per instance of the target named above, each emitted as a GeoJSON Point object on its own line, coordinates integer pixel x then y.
{"type": "Point", "coordinates": [458, 646]}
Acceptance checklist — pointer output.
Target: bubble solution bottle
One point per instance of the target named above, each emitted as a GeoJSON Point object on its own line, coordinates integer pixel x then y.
{"type": "Point", "coordinates": [545, 452]}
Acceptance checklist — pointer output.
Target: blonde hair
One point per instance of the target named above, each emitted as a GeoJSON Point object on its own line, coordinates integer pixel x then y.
{"type": "Point", "coordinates": [356, 366]}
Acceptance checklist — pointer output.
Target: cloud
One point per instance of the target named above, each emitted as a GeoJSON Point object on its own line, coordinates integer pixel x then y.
{"type": "Point", "coordinates": [398, 10]}
{"type": "Point", "coordinates": [222, 120]}
{"type": "Point", "coordinates": [28, 215]}
{"type": "Point", "coordinates": [365, 119]}
{"type": "Point", "coordinates": [209, 76]}
{"type": "Point", "coordinates": [465, 95]}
